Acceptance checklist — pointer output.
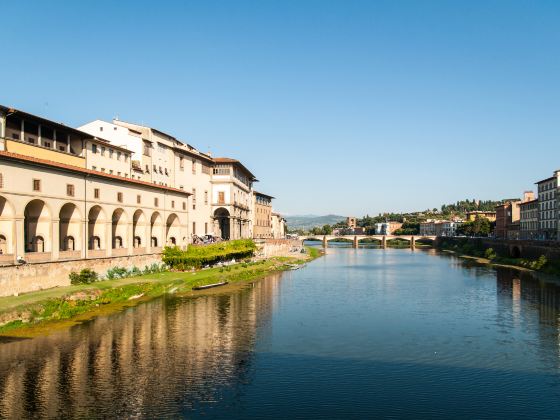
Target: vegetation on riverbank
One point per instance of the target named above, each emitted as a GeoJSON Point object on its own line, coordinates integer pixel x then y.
{"type": "Point", "coordinates": [484, 255]}
{"type": "Point", "coordinates": [200, 256]}
{"type": "Point", "coordinates": [28, 316]}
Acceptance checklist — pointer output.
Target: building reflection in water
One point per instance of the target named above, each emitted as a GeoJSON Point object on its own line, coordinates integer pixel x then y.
{"type": "Point", "coordinates": [534, 302]}
{"type": "Point", "coordinates": [160, 358]}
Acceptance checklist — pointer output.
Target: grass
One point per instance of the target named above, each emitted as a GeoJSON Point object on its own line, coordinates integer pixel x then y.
{"type": "Point", "coordinates": [41, 312]}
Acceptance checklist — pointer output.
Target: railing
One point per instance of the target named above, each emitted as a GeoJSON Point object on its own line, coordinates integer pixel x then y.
{"type": "Point", "coordinates": [6, 259]}
{"type": "Point", "coordinates": [119, 252]}
{"type": "Point", "coordinates": [37, 256]}
{"type": "Point", "coordinates": [69, 255]}
{"type": "Point", "coordinates": [96, 253]}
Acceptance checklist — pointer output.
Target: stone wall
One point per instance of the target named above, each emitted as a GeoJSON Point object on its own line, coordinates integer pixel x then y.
{"type": "Point", "coordinates": [278, 248]}
{"type": "Point", "coordinates": [36, 276]}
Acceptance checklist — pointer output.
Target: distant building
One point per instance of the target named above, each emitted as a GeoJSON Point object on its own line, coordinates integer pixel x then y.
{"type": "Point", "coordinates": [508, 217]}
{"type": "Point", "coordinates": [278, 226]}
{"type": "Point", "coordinates": [529, 219]}
{"type": "Point", "coordinates": [351, 222]}
{"type": "Point", "coordinates": [547, 197]}
{"type": "Point", "coordinates": [262, 220]}
{"type": "Point", "coordinates": [387, 228]}
{"type": "Point", "coordinates": [439, 228]}
{"type": "Point", "coordinates": [472, 215]}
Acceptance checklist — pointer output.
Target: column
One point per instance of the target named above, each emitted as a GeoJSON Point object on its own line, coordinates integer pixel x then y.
{"type": "Point", "coordinates": [148, 237]}
{"type": "Point", "coordinates": [355, 243]}
{"type": "Point", "coordinates": [325, 242]}
{"type": "Point", "coordinates": [109, 238]}
{"type": "Point", "coordinates": [130, 239]}
{"type": "Point", "coordinates": [412, 243]}
{"type": "Point", "coordinates": [84, 244]}
{"type": "Point", "coordinates": [384, 242]}
{"type": "Point", "coordinates": [19, 238]}
{"type": "Point", "coordinates": [55, 242]}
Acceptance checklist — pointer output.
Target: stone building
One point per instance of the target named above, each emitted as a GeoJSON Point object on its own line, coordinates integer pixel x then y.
{"type": "Point", "coordinates": [529, 219]}
{"type": "Point", "coordinates": [472, 215]}
{"type": "Point", "coordinates": [55, 206]}
{"type": "Point", "coordinates": [548, 207]}
{"type": "Point", "coordinates": [262, 219]}
{"type": "Point", "coordinates": [279, 227]}
{"type": "Point", "coordinates": [232, 199]}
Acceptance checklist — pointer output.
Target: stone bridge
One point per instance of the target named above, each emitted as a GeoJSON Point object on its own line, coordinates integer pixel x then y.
{"type": "Point", "coordinates": [357, 238]}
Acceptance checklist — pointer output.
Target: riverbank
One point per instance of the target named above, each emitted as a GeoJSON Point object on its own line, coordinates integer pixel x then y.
{"type": "Point", "coordinates": [42, 312]}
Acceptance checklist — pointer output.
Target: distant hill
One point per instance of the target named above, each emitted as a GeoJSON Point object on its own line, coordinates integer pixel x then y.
{"type": "Point", "coordinates": [309, 221]}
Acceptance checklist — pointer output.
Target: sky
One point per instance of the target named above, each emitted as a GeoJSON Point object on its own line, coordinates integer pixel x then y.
{"type": "Point", "coordinates": [339, 107]}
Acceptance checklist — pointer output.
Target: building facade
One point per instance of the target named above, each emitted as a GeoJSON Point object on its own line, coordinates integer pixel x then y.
{"type": "Point", "coordinates": [262, 215]}
{"type": "Point", "coordinates": [387, 228]}
{"type": "Point", "coordinates": [548, 213]}
{"type": "Point", "coordinates": [472, 215]}
{"type": "Point", "coordinates": [529, 219]}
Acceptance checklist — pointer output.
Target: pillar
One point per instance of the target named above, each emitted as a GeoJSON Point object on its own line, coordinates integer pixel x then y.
{"type": "Point", "coordinates": [19, 238]}
{"type": "Point", "coordinates": [84, 244]}
{"type": "Point", "coordinates": [355, 243]}
{"type": "Point", "coordinates": [325, 242]}
{"type": "Point", "coordinates": [55, 242]}
{"type": "Point", "coordinates": [384, 242]}
{"type": "Point", "coordinates": [129, 238]}
{"type": "Point", "coordinates": [109, 238]}
{"type": "Point", "coordinates": [412, 243]}
{"type": "Point", "coordinates": [148, 244]}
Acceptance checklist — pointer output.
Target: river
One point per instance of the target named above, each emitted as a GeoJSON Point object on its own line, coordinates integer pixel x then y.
{"type": "Point", "coordinates": [364, 333]}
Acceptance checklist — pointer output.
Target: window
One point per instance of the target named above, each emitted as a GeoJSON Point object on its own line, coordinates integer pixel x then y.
{"type": "Point", "coordinates": [147, 169]}
{"type": "Point", "coordinates": [119, 197]}
{"type": "Point", "coordinates": [111, 172]}
{"type": "Point", "coordinates": [222, 170]}
{"type": "Point", "coordinates": [102, 151]}
{"type": "Point", "coordinates": [138, 199]}
{"type": "Point", "coordinates": [172, 204]}
{"type": "Point", "coordinates": [70, 190]}
{"type": "Point", "coordinates": [102, 169]}
{"type": "Point", "coordinates": [156, 202]}
{"type": "Point", "coordinates": [194, 198]}
{"type": "Point", "coordinates": [194, 228]}
{"type": "Point", "coordinates": [206, 228]}
{"type": "Point", "coordinates": [96, 193]}
{"type": "Point", "coordinates": [155, 168]}
{"type": "Point", "coordinates": [181, 163]}
{"type": "Point", "coordinates": [221, 197]}
{"type": "Point", "coordinates": [184, 205]}
{"type": "Point", "coordinates": [205, 197]}
{"type": "Point", "coordinates": [47, 144]}
{"type": "Point", "coordinates": [94, 148]}
{"type": "Point", "coordinates": [94, 168]}
{"type": "Point", "coordinates": [36, 185]}
{"type": "Point", "coordinates": [111, 153]}
{"type": "Point", "coordinates": [118, 155]}
{"type": "Point", "coordinates": [100, 128]}
{"type": "Point", "coordinates": [205, 169]}
{"type": "Point", "coordinates": [194, 166]}
{"type": "Point", "coordinates": [2, 181]}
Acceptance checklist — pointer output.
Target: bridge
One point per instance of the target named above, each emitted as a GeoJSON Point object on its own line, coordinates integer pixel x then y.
{"type": "Point", "coordinates": [357, 238]}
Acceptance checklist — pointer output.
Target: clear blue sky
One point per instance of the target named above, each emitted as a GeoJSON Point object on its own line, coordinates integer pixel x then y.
{"type": "Point", "coordinates": [347, 107]}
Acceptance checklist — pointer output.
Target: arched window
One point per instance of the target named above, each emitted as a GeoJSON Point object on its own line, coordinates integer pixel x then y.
{"type": "Point", "coordinates": [3, 245]}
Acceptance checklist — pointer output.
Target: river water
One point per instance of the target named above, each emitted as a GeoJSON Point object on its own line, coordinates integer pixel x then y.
{"type": "Point", "coordinates": [362, 333]}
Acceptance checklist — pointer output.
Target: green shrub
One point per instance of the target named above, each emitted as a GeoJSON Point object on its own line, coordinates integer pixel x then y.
{"type": "Point", "coordinates": [199, 256]}
{"type": "Point", "coordinates": [85, 276]}
{"type": "Point", "coordinates": [116, 273]}
{"type": "Point", "coordinates": [490, 254]}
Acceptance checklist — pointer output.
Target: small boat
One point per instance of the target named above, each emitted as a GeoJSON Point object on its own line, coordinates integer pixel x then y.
{"type": "Point", "coordinates": [209, 286]}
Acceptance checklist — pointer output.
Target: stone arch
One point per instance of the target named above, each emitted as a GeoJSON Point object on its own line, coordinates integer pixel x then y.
{"type": "Point", "coordinates": [156, 230]}
{"type": "Point", "coordinates": [139, 223]}
{"type": "Point", "coordinates": [70, 228]}
{"type": "Point", "coordinates": [222, 219]}
{"type": "Point", "coordinates": [172, 229]}
{"type": "Point", "coordinates": [515, 251]}
{"type": "Point", "coordinates": [119, 222]}
{"type": "Point", "coordinates": [37, 226]}
{"type": "Point", "coordinates": [7, 215]}
{"type": "Point", "coordinates": [97, 221]}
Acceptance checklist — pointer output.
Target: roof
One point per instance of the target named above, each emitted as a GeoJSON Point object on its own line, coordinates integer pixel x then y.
{"type": "Point", "coordinates": [235, 162]}
{"type": "Point", "coordinates": [264, 195]}
{"type": "Point", "coordinates": [545, 180]}
{"type": "Point", "coordinates": [57, 125]}
{"type": "Point", "coordinates": [16, 156]}
{"type": "Point", "coordinates": [529, 202]}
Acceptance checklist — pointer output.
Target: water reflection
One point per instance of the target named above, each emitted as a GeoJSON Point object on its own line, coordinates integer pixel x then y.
{"type": "Point", "coordinates": [157, 358]}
